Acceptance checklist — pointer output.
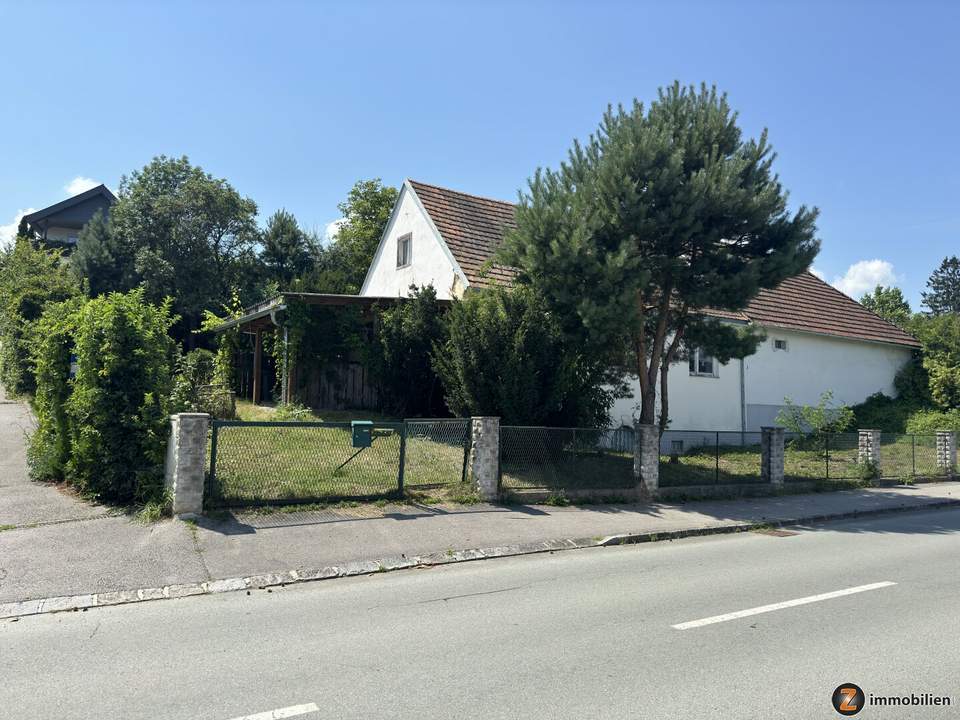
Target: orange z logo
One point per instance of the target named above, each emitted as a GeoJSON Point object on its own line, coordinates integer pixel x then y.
{"type": "Point", "coordinates": [849, 696]}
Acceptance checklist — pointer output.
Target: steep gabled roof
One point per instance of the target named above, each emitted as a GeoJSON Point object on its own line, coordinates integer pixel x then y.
{"type": "Point", "coordinates": [473, 227]}
{"type": "Point", "coordinates": [70, 202]}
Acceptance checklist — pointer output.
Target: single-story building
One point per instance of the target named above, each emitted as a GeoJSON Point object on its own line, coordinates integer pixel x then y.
{"type": "Point", "coordinates": [59, 225]}
{"type": "Point", "coordinates": [818, 339]}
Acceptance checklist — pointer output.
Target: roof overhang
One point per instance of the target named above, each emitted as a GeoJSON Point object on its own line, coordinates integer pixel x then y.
{"type": "Point", "coordinates": [264, 314]}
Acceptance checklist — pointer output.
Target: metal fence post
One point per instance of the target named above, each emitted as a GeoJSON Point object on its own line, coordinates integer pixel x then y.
{"type": "Point", "coordinates": [826, 448]}
{"type": "Point", "coordinates": [403, 455]}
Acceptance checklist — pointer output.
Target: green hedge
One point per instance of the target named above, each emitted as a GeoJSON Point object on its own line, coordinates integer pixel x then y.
{"type": "Point", "coordinates": [117, 413]}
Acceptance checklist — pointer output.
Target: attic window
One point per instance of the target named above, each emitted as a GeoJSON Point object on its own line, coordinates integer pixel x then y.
{"type": "Point", "coordinates": [404, 250]}
{"type": "Point", "coordinates": [780, 345]}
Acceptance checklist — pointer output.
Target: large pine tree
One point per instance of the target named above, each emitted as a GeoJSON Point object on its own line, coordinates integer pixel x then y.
{"type": "Point", "coordinates": [660, 215]}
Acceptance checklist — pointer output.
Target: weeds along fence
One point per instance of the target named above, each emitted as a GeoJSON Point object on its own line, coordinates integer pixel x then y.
{"type": "Point", "coordinates": [262, 463]}
{"type": "Point", "coordinates": [834, 456]}
{"type": "Point", "coordinates": [551, 458]}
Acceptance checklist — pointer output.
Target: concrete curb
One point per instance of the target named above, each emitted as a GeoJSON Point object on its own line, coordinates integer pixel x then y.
{"type": "Point", "coordinates": [86, 601]}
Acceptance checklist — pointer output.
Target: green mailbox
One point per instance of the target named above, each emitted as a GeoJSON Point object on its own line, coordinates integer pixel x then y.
{"type": "Point", "coordinates": [362, 433]}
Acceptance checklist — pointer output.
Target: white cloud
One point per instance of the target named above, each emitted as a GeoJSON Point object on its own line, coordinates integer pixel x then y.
{"type": "Point", "coordinates": [9, 232]}
{"type": "Point", "coordinates": [819, 273]}
{"type": "Point", "coordinates": [331, 230]}
{"type": "Point", "coordinates": [78, 185]}
{"type": "Point", "coordinates": [864, 276]}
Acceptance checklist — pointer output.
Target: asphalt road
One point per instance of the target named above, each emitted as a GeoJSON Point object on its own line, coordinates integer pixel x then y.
{"type": "Point", "coordinates": [583, 634]}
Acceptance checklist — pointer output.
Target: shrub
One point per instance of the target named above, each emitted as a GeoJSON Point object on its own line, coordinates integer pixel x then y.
{"type": "Point", "coordinates": [927, 422]}
{"type": "Point", "coordinates": [29, 280]}
{"type": "Point", "coordinates": [406, 335]}
{"type": "Point", "coordinates": [506, 355]}
{"type": "Point", "coordinates": [815, 420]}
{"type": "Point", "coordinates": [883, 412]}
{"type": "Point", "coordinates": [120, 402]}
{"type": "Point", "coordinates": [49, 448]}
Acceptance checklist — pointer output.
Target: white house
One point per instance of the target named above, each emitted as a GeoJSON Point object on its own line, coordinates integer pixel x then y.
{"type": "Point", "coordinates": [817, 338]}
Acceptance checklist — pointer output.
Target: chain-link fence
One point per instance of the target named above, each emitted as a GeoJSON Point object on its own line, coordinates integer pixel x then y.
{"type": "Point", "coordinates": [908, 456]}
{"type": "Point", "coordinates": [827, 456]}
{"type": "Point", "coordinates": [708, 457]}
{"type": "Point", "coordinates": [436, 452]}
{"type": "Point", "coordinates": [565, 458]}
{"type": "Point", "coordinates": [262, 463]}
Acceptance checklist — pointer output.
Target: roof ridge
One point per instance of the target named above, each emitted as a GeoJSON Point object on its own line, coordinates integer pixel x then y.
{"type": "Point", "coordinates": [461, 192]}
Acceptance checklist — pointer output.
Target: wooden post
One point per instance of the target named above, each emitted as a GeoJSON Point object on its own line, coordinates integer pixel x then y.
{"type": "Point", "coordinates": [257, 365]}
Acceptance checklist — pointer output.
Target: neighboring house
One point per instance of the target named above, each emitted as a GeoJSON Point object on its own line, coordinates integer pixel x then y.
{"type": "Point", "coordinates": [818, 339]}
{"type": "Point", "coordinates": [60, 224]}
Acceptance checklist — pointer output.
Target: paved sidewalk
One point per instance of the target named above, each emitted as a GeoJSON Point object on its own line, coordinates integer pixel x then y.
{"type": "Point", "coordinates": [61, 546]}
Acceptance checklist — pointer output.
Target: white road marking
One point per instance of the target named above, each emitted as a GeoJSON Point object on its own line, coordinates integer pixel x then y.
{"type": "Point", "coordinates": [287, 712]}
{"type": "Point", "coordinates": [781, 605]}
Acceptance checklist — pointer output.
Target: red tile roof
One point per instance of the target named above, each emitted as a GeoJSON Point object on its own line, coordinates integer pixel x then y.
{"type": "Point", "coordinates": [473, 227]}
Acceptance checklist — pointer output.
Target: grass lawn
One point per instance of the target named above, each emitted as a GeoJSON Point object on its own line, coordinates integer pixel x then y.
{"type": "Point", "coordinates": [262, 465]}
{"type": "Point", "coordinates": [569, 470]}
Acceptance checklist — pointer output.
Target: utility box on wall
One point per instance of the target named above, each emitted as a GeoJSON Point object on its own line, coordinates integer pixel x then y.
{"type": "Point", "coordinates": [362, 433]}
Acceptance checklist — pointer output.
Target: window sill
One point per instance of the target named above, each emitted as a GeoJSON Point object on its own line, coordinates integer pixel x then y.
{"type": "Point", "coordinates": [704, 375]}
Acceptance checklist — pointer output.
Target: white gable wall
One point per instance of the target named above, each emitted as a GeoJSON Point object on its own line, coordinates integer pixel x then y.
{"type": "Point", "coordinates": [431, 263]}
{"type": "Point", "coordinates": [812, 364]}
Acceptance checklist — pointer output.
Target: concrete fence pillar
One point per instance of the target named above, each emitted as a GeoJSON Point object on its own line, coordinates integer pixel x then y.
{"type": "Point", "coordinates": [646, 457]}
{"type": "Point", "coordinates": [187, 462]}
{"type": "Point", "coordinates": [484, 461]}
{"type": "Point", "coordinates": [947, 452]}
{"type": "Point", "coordinates": [771, 455]}
{"type": "Point", "coordinates": [868, 449]}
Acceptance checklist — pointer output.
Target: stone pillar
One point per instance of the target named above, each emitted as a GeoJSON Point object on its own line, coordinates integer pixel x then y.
{"type": "Point", "coordinates": [187, 462]}
{"type": "Point", "coordinates": [771, 455]}
{"type": "Point", "coordinates": [947, 452]}
{"type": "Point", "coordinates": [485, 456]}
{"type": "Point", "coordinates": [868, 449]}
{"type": "Point", "coordinates": [646, 457]}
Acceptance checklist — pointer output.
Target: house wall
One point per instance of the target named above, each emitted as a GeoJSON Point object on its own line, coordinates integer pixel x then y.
{"type": "Point", "coordinates": [812, 364]}
{"type": "Point", "coordinates": [430, 263]}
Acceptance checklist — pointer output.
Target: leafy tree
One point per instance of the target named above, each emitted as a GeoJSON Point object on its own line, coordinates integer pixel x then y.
{"type": "Point", "coordinates": [30, 279]}
{"type": "Point", "coordinates": [944, 284]}
{"type": "Point", "coordinates": [186, 235]}
{"type": "Point", "coordinates": [406, 337]}
{"type": "Point", "coordinates": [101, 259]}
{"type": "Point", "coordinates": [661, 214]}
{"type": "Point", "coordinates": [889, 303]}
{"type": "Point", "coordinates": [505, 355]}
{"type": "Point", "coordinates": [940, 337]}
{"type": "Point", "coordinates": [342, 267]}
{"type": "Point", "coordinates": [288, 252]}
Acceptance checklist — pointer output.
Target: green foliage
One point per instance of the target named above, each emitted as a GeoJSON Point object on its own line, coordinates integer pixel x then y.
{"type": "Point", "coordinates": [186, 235]}
{"type": "Point", "coordinates": [663, 212]}
{"type": "Point", "coordinates": [406, 336]}
{"type": "Point", "coordinates": [288, 252]}
{"type": "Point", "coordinates": [912, 383]}
{"type": "Point", "coordinates": [342, 267]}
{"type": "Point", "coordinates": [889, 303]}
{"type": "Point", "coordinates": [192, 383]}
{"type": "Point", "coordinates": [100, 260]}
{"type": "Point", "coordinates": [816, 420]}
{"type": "Point", "coordinates": [30, 279]}
{"type": "Point", "coordinates": [49, 448]}
{"type": "Point", "coordinates": [928, 422]}
{"type": "Point", "coordinates": [940, 337]}
{"type": "Point", "coordinates": [287, 412]}
{"type": "Point", "coordinates": [883, 412]}
{"type": "Point", "coordinates": [944, 288]}
{"type": "Point", "coordinates": [118, 411]}
{"type": "Point", "coordinates": [505, 355]}
{"type": "Point", "coordinates": [867, 471]}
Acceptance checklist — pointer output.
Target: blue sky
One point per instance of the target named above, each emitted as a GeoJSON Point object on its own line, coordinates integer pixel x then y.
{"type": "Point", "coordinates": [293, 102]}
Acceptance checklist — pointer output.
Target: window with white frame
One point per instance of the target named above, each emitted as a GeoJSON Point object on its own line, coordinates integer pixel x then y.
{"type": "Point", "coordinates": [404, 250]}
{"type": "Point", "coordinates": [702, 365]}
